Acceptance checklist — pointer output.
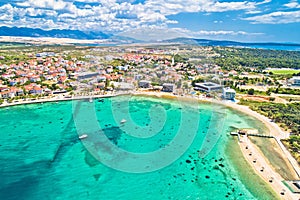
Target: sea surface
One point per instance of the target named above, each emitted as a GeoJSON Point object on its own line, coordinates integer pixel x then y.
{"type": "Point", "coordinates": [166, 149]}
{"type": "Point", "coordinates": [284, 47]}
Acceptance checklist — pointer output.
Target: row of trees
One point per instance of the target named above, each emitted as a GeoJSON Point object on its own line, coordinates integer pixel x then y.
{"type": "Point", "coordinates": [288, 115]}
{"type": "Point", "coordinates": [241, 59]}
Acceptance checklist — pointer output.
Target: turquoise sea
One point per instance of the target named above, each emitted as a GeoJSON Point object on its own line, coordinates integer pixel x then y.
{"type": "Point", "coordinates": [165, 150]}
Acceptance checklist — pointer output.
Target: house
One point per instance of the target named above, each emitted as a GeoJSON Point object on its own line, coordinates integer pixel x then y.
{"type": "Point", "coordinates": [228, 93]}
{"type": "Point", "coordinates": [144, 84]}
{"type": "Point", "coordinates": [101, 78]}
{"type": "Point", "coordinates": [7, 94]}
{"type": "Point", "coordinates": [208, 87]}
{"type": "Point", "coordinates": [168, 87]}
{"type": "Point", "coordinates": [47, 91]}
{"type": "Point", "coordinates": [137, 77]}
{"type": "Point", "coordinates": [3, 88]}
{"type": "Point", "coordinates": [13, 82]}
{"type": "Point", "coordinates": [17, 91]}
{"type": "Point", "coordinates": [36, 90]}
{"type": "Point", "coordinates": [296, 80]}
{"type": "Point", "coordinates": [62, 79]}
{"type": "Point", "coordinates": [100, 85]}
{"type": "Point", "coordinates": [34, 78]}
{"type": "Point", "coordinates": [109, 70]}
{"type": "Point", "coordinates": [122, 68]}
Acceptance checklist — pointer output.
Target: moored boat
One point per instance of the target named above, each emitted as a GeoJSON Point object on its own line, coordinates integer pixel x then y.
{"type": "Point", "coordinates": [83, 136]}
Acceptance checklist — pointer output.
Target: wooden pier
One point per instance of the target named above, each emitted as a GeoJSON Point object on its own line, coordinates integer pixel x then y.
{"type": "Point", "coordinates": [259, 135]}
{"type": "Point", "coordinates": [249, 132]}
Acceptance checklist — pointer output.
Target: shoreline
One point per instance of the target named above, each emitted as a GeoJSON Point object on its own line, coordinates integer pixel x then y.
{"type": "Point", "coordinates": [256, 185]}
{"type": "Point", "coordinates": [54, 99]}
{"type": "Point", "coordinates": [273, 128]}
{"type": "Point", "coordinates": [264, 169]}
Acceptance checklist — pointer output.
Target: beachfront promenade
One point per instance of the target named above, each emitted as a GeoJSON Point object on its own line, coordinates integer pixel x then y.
{"type": "Point", "coordinates": [264, 169]}
{"type": "Point", "coordinates": [252, 153]}
{"type": "Point", "coordinates": [58, 98]}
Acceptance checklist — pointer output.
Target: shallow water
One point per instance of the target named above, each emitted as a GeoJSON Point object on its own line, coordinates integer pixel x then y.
{"type": "Point", "coordinates": [42, 157]}
{"type": "Point", "coordinates": [273, 153]}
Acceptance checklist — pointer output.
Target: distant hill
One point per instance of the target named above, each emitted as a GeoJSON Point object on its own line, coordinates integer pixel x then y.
{"type": "Point", "coordinates": [56, 33]}
{"type": "Point", "coordinates": [124, 39]}
{"type": "Point", "coordinates": [205, 42]}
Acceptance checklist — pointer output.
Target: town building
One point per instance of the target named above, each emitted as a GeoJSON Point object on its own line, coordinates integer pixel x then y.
{"type": "Point", "coordinates": [168, 87]}
{"type": "Point", "coordinates": [123, 86]}
{"type": "Point", "coordinates": [228, 93]}
{"type": "Point", "coordinates": [208, 87]}
{"type": "Point", "coordinates": [86, 75]}
{"type": "Point", "coordinates": [296, 80]}
{"type": "Point", "coordinates": [144, 84]}
{"type": "Point", "coordinates": [137, 77]}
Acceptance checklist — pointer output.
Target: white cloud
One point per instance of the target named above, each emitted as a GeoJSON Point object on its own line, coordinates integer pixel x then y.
{"type": "Point", "coordinates": [292, 4]}
{"type": "Point", "coordinates": [163, 33]}
{"type": "Point", "coordinates": [171, 7]}
{"type": "Point", "coordinates": [253, 12]}
{"type": "Point", "coordinates": [48, 4]}
{"type": "Point", "coordinates": [111, 15]}
{"type": "Point", "coordinates": [6, 17]}
{"type": "Point", "coordinates": [214, 32]}
{"type": "Point", "coordinates": [264, 2]}
{"type": "Point", "coordinates": [228, 6]}
{"type": "Point", "coordinates": [6, 8]}
{"type": "Point", "coordinates": [276, 18]}
{"type": "Point", "coordinates": [225, 33]}
{"type": "Point", "coordinates": [216, 22]}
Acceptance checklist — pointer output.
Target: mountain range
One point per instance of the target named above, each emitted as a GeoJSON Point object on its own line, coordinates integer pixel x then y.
{"type": "Point", "coordinates": [119, 39]}
{"type": "Point", "coordinates": [56, 33]}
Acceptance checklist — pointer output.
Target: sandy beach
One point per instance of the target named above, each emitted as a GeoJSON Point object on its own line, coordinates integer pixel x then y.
{"type": "Point", "coordinates": [249, 150]}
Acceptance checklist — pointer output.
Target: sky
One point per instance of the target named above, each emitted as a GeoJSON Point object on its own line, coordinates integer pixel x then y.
{"type": "Point", "coordinates": [246, 21]}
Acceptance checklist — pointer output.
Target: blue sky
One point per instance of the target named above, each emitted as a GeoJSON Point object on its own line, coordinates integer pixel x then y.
{"type": "Point", "coordinates": [251, 21]}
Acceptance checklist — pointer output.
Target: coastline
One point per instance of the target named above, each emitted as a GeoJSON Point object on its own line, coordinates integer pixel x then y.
{"type": "Point", "coordinates": [54, 99]}
{"type": "Point", "coordinates": [254, 183]}
{"type": "Point", "coordinates": [275, 131]}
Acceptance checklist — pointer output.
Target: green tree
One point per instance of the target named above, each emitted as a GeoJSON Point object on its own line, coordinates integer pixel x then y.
{"type": "Point", "coordinates": [251, 91]}
{"type": "Point", "coordinates": [272, 98]}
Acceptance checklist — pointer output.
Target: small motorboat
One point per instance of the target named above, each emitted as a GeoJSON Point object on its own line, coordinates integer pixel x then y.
{"type": "Point", "coordinates": [123, 121]}
{"type": "Point", "coordinates": [91, 100]}
{"type": "Point", "coordinates": [83, 136]}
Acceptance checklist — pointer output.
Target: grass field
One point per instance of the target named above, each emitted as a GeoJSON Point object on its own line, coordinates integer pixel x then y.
{"type": "Point", "coordinates": [284, 71]}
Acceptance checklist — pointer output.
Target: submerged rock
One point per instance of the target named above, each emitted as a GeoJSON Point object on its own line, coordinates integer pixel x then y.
{"type": "Point", "coordinates": [97, 176]}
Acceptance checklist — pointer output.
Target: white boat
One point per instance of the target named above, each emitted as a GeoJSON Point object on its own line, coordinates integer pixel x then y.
{"type": "Point", "coordinates": [123, 121]}
{"type": "Point", "coordinates": [91, 100]}
{"type": "Point", "coordinates": [83, 136]}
